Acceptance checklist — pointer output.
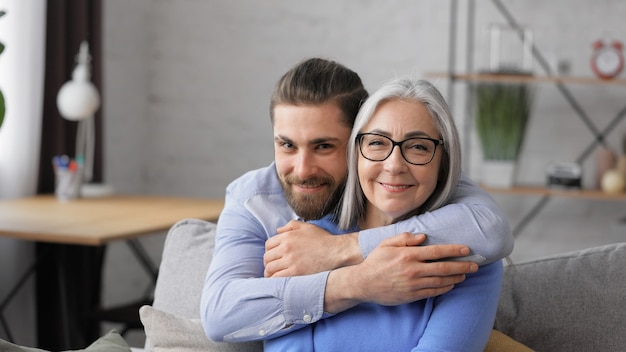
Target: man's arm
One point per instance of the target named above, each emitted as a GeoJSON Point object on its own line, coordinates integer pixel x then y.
{"type": "Point", "coordinates": [395, 273]}
{"type": "Point", "coordinates": [238, 304]}
{"type": "Point", "coordinates": [471, 217]}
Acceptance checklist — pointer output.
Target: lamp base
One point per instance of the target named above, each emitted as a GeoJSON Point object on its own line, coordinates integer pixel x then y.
{"type": "Point", "coordinates": [94, 190]}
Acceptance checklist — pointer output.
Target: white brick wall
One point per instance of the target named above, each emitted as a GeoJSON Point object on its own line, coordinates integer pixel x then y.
{"type": "Point", "coordinates": [188, 82]}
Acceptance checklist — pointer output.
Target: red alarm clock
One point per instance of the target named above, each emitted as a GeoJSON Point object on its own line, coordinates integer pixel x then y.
{"type": "Point", "coordinates": [607, 60]}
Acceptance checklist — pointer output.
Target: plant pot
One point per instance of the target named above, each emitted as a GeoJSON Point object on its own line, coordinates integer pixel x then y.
{"type": "Point", "coordinates": [502, 112]}
{"type": "Point", "coordinates": [498, 173]}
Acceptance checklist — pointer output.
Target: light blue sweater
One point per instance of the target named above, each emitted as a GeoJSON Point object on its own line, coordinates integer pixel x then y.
{"type": "Point", "coordinates": [460, 320]}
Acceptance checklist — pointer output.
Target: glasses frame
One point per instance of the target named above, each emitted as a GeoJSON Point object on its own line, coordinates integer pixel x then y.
{"type": "Point", "coordinates": [359, 140]}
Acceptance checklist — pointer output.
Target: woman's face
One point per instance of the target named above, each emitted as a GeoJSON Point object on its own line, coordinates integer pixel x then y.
{"type": "Point", "coordinates": [394, 187]}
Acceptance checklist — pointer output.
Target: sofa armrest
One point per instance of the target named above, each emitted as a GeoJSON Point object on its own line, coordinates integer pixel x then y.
{"type": "Point", "coordinates": [567, 302]}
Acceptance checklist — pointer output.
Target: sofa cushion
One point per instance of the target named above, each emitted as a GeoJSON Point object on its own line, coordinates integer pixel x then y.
{"type": "Point", "coordinates": [172, 333]}
{"type": "Point", "coordinates": [567, 302]}
{"type": "Point", "coordinates": [111, 342]}
{"type": "Point", "coordinates": [187, 253]}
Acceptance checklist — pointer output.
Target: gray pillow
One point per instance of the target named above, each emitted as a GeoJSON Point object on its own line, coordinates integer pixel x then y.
{"type": "Point", "coordinates": [111, 342]}
{"type": "Point", "coordinates": [567, 302]}
{"type": "Point", "coordinates": [187, 253]}
{"type": "Point", "coordinates": [169, 332]}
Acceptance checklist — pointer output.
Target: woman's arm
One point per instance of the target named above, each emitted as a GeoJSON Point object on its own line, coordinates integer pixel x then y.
{"type": "Point", "coordinates": [463, 318]}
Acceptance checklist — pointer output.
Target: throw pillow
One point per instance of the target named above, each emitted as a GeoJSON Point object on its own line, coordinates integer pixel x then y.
{"type": "Point", "coordinates": [168, 332]}
{"type": "Point", "coordinates": [111, 342]}
{"type": "Point", "coordinates": [499, 342]}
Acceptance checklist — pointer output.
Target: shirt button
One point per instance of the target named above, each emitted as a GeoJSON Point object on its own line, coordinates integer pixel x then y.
{"type": "Point", "coordinates": [262, 332]}
{"type": "Point", "coordinates": [307, 318]}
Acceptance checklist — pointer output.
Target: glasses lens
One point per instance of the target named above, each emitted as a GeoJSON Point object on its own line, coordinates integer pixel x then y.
{"type": "Point", "coordinates": [418, 150]}
{"type": "Point", "coordinates": [375, 147]}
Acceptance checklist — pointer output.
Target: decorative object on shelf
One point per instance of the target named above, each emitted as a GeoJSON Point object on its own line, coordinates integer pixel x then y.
{"type": "Point", "coordinates": [77, 100]}
{"type": "Point", "coordinates": [607, 60]}
{"type": "Point", "coordinates": [2, 106]}
{"type": "Point", "coordinates": [502, 113]}
{"type": "Point", "coordinates": [621, 161]}
{"type": "Point", "coordinates": [564, 175]}
{"type": "Point", "coordinates": [613, 182]}
{"type": "Point", "coordinates": [506, 53]}
{"type": "Point", "coordinates": [606, 159]}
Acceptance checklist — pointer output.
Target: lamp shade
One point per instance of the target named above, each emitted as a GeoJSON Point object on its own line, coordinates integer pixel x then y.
{"type": "Point", "coordinates": [78, 98]}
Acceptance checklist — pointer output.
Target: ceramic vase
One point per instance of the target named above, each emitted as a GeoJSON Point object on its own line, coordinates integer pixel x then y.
{"type": "Point", "coordinates": [498, 173]}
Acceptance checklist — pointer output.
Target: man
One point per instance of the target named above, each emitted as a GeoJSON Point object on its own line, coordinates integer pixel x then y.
{"type": "Point", "coordinates": [312, 111]}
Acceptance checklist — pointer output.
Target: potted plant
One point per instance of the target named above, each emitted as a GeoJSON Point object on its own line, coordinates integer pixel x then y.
{"type": "Point", "coordinates": [2, 107]}
{"type": "Point", "coordinates": [502, 112]}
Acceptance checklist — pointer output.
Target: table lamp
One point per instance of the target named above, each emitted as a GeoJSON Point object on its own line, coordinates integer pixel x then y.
{"type": "Point", "coordinates": [77, 100]}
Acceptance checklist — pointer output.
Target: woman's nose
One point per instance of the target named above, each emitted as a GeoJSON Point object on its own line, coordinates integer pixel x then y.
{"type": "Point", "coordinates": [395, 163]}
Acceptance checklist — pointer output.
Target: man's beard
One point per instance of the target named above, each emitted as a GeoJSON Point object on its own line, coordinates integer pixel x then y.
{"type": "Point", "coordinates": [313, 206]}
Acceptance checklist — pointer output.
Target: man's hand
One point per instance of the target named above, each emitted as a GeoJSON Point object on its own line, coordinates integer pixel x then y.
{"type": "Point", "coordinates": [302, 248]}
{"type": "Point", "coordinates": [398, 271]}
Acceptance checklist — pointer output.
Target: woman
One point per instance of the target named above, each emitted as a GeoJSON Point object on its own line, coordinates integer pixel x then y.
{"type": "Point", "coordinates": [387, 184]}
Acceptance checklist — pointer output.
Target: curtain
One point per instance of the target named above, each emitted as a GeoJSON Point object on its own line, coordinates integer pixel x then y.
{"type": "Point", "coordinates": [70, 325]}
{"type": "Point", "coordinates": [22, 30]}
{"type": "Point", "coordinates": [69, 22]}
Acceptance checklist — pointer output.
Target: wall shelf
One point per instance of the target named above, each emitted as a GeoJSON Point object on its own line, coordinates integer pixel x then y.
{"type": "Point", "coordinates": [481, 77]}
{"type": "Point", "coordinates": [556, 192]}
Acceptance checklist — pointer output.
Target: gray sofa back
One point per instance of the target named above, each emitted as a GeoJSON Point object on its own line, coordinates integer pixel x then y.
{"type": "Point", "coordinates": [566, 302]}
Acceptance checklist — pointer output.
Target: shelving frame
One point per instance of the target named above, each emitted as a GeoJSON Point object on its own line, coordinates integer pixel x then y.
{"type": "Point", "coordinates": [560, 82]}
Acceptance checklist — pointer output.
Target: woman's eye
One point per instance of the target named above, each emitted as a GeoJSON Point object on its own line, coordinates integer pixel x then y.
{"type": "Point", "coordinates": [418, 146]}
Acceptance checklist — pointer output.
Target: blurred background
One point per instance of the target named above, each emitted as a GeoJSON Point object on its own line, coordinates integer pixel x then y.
{"type": "Point", "coordinates": [186, 87]}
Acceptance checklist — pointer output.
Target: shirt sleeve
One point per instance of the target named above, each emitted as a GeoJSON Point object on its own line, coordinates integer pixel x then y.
{"type": "Point", "coordinates": [238, 303]}
{"type": "Point", "coordinates": [463, 318]}
{"type": "Point", "coordinates": [471, 217]}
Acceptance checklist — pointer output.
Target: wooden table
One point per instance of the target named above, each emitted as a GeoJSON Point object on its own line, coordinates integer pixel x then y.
{"type": "Point", "coordinates": [73, 236]}
{"type": "Point", "coordinates": [97, 221]}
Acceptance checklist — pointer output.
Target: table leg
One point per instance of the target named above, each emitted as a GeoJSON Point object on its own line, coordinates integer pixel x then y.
{"type": "Point", "coordinates": [14, 290]}
{"type": "Point", "coordinates": [68, 292]}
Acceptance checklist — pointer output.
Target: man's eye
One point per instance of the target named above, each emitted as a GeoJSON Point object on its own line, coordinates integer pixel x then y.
{"type": "Point", "coordinates": [286, 145]}
{"type": "Point", "coordinates": [324, 146]}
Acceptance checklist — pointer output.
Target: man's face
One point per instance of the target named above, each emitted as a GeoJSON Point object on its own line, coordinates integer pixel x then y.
{"type": "Point", "coordinates": [310, 153]}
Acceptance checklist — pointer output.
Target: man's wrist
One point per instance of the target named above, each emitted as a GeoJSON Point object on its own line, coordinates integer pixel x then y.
{"type": "Point", "coordinates": [349, 250]}
{"type": "Point", "coordinates": [339, 293]}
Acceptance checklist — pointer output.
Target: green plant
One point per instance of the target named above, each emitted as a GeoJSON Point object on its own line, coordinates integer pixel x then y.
{"type": "Point", "coordinates": [2, 106]}
{"type": "Point", "coordinates": [502, 112]}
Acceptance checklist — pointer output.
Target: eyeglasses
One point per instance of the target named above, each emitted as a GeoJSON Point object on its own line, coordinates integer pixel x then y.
{"type": "Point", "coordinates": [416, 151]}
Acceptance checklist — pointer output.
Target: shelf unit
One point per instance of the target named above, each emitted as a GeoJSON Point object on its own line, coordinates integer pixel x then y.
{"type": "Point", "coordinates": [560, 82]}
{"type": "Point", "coordinates": [557, 192]}
{"type": "Point", "coordinates": [569, 80]}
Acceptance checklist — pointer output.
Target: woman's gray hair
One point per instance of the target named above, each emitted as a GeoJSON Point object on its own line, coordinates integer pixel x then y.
{"type": "Point", "coordinates": [408, 89]}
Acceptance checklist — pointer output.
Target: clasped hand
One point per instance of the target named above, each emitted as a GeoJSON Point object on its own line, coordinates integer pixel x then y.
{"type": "Point", "coordinates": [397, 271]}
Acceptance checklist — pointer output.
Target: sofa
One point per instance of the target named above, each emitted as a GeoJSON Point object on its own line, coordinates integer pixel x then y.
{"type": "Point", "coordinates": [567, 302]}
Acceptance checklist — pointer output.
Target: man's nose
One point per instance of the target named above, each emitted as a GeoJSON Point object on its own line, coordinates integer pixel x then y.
{"type": "Point", "coordinates": [305, 165]}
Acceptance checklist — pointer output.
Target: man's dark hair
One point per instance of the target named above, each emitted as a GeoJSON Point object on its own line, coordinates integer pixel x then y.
{"type": "Point", "coordinates": [319, 81]}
